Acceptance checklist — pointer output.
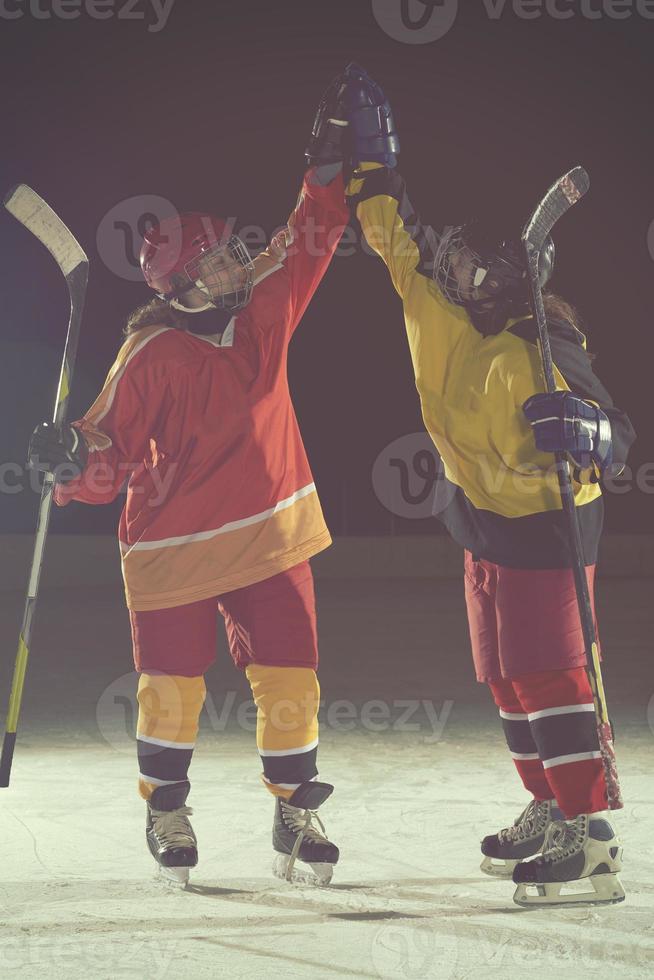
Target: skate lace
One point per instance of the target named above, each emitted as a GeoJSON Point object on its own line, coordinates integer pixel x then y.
{"type": "Point", "coordinates": [563, 838]}
{"type": "Point", "coordinates": [301, 821]}
{"type": "Point", "coordinates": [172, 827]}
{"type": "Point", "coordinates": [530, 822]}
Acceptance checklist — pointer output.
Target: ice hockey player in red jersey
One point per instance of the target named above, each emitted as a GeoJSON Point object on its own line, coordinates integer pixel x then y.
{"type": "Point", "coordinates": [222, 513]}
{"type": "Point", "coordinates": [473, 343]}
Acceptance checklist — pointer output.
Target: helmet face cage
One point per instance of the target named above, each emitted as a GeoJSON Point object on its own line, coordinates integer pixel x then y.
{"type": "Point", "coordinates": [453, 256]}
{"type": "Point", "coordinates": [224, 272]}
{"type": "Point", "coordinates": [465, 277]}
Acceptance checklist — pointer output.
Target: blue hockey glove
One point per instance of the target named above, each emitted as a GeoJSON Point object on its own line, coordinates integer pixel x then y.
{"type": "Point", "coordinates": [564, 423]}
{"type": "Point", "coordinates": [373, 135]}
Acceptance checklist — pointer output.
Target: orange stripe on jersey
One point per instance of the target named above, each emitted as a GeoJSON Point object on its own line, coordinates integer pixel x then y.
{"type": "Point", "coordinates": [158, 578]}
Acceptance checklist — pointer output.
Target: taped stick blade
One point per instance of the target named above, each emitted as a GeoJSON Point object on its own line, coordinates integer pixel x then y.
{"type": "Point", "coordinates": [575, 184]}
{"type": "Point", "coordinates": [562, 195]}
{"type": "Point", "coordinates": [613, 793]}
{"type": "Point", "coordinates": [37, 216]}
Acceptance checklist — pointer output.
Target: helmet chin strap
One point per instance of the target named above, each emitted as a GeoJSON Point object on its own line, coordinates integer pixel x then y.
{"type": "Point", "coordinates": [176, 301]}
{"type": "Point", "coordinates": [178, 305]}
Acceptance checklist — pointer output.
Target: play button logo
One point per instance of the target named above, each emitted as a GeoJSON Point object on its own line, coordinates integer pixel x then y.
{"type": "Point", "coordinates": [415, 21]}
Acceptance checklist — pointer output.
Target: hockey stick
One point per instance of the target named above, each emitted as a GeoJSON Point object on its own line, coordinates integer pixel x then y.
{"type": "Point", "coordinates": [560, 198]}
{"type": "Point", "coordinates": [32, 212]}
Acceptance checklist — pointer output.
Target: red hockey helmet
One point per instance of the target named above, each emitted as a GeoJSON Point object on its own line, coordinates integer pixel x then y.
{"type": "Point", "coordinates": [197, 250]}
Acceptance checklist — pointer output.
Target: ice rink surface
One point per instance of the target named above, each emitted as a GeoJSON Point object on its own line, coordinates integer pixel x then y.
{"type": "Point", "coordinates": [78, 896]}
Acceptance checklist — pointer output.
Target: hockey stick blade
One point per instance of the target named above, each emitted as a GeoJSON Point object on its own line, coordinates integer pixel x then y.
{"type": "Point", "coordinates": [561, 196]}
{"type": "Point", "coordinates": [38, 217]}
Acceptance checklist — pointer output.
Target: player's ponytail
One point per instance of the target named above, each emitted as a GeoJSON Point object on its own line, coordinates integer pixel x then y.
{"type": "Point", "coordinates": [557, 308]}
{"type": "Point", "coordinates": [155, 311]}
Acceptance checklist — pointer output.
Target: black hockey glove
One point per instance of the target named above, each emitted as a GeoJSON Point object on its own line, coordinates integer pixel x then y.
{"type": "Point", "coordinates": [329, 137]}
{"type": "Point", "coordinates": [62, 452]}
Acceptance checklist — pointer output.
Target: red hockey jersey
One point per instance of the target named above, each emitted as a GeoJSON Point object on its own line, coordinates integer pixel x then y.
{"type": "Point", "coordinates": [219, 493]}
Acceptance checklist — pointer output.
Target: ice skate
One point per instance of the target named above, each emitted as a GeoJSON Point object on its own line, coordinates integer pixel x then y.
{"type": "Point", "coordinates": [169, 834]}
{"type": "Point", "coordinates": [297, 839]}
{"type": "Point", "coordinates": [502, 851]}
{"type": "Point", "coordinates": [578, 866]}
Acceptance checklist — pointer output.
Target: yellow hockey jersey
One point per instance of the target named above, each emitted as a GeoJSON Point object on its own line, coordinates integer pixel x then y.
{"type": "Point", "coordinates": [498, 496]}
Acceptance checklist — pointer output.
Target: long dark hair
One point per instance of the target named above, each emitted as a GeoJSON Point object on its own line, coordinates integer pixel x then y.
{"type": "Point", "coordinates": [559, 309]}
{"type": "Point", "coordinates": [155, 311]}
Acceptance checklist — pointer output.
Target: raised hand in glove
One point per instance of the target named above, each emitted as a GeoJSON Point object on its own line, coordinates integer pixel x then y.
{"type": "Point", "coordinates": [329, 137]}
{"type": "Point", "coordinates": [373, 136]}
{"type": "Point", "coordinates": [59, 451]}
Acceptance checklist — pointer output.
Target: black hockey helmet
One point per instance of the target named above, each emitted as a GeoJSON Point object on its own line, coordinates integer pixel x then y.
{"type": "Point", "coordinates": [485, 271]}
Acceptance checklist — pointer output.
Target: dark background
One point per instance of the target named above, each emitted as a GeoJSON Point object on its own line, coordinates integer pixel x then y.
{"type": "Point", "coordinates": [213, 112]}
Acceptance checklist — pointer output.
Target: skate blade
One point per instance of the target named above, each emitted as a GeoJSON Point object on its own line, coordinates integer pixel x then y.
{"type": "Point", "coordinates": [175, 877]}
{"type": "Point", "coordinates": [606, 890]}
{"type": "Point", "coordinates": [303, 873]}
{"type": "Point", "coordinates": [503, 870]}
